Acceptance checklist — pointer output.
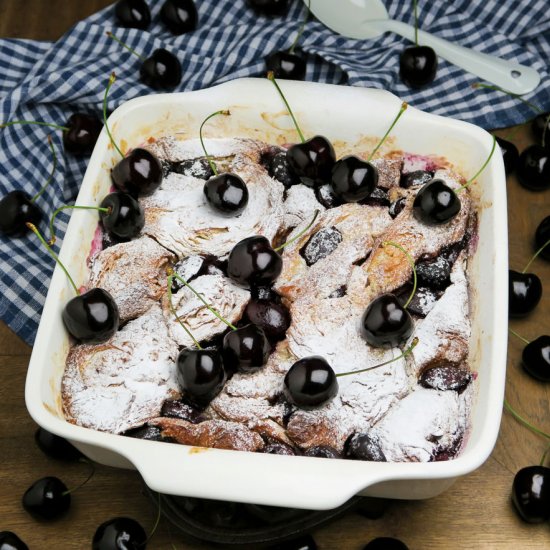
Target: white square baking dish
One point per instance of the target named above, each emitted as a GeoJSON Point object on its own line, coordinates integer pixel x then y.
{"type": "Point", "coordinates": [344, 115]}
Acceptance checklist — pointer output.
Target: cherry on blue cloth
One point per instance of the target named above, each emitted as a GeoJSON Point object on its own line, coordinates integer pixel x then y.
{"type": "Point", "coordinates": [50, 81]}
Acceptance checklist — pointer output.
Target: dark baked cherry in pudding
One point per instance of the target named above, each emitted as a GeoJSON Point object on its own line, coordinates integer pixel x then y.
{"type": "Point", "coordinates": [436, 203]}
{"type": "Point", "coordinates": [56, 447]}
{"type": "Point", "coordinates": [326, 196]}
{"type": "Point", "coordinates": [353, 179]}
{"type": "Point", "coordinates": [445, 378]}
{"type": "Point", "coordinates": [271, 317]}
{"type": "Point", "coordinates": [133, 14]}
{"type": "Point", "coordinates": [542, 236]}
{"type": "Point", "coordinates": [360, 446]}
{"type": "Point", "coordinates": [533, 171]}
{"type": "Point", "coordinates": [278, 168]}
{"type": "Point", "coordinates": [139, 173]}
{"type": "Point", "coordinates": [91, 317]}
{"type": "Point", "coordinates": [246, 348]}
{"type": "Point", "coordinates": [286, 65]}
{"type": "Point", "coordinates": [312, 161]}
{"type": "Point", "coordinates": [177, 408]}
{"type": "Point", "coordinates": [310, 382]}
{"type": "Point", "coordinates": [524, 293]}
{"type": "Point", "coordinates": [201, 375]}
{"type": "Point", "coordinates": [417, 66]}
{"type": "Point", "coordinates": [386, 543]}
{"type": "Point", "coordinates": [16, 210]}
{"type": "Point", "coordinates": [418, 177]}
{"type": "Point", "coordinates": [278, 448]}
{"type": "Point", "coordinates": [385, 322]}
{"type": "Point", "coordinates": [125, 218]}
{"type": "Point", "coordinates": [161, 71]}
{"type": "Point", "coordinates": [119, 533]}
{"type": "Point", "coordinates": [180, 16]}
{"type": "Point", "coordinates": [145, 432]}
{"type": "Point", "coordinates": [540, 126]}
{"type": "Point", "coordinates": [322, 451]}
{"type": "Point", "coordinates": [268, 7]}
{"type": "Point", "coordinates": [10, 541]}
{"type": "Point", "coordinates": [82, 133]}
{"type": "Point", "coordinates": [48, 498]}
{"type": "Point", "coordinates": [531, 494]}
{"type": "Point", "coordinates": [536, 358]}
{"type": "Point", "coordinates": [435, 274]}
{"type": "Point", "coordinates": [253, 261]}
{"type": "Point", "coordinates": [510, 155]}
{"type": "Point", "coordinates": [227, 193]}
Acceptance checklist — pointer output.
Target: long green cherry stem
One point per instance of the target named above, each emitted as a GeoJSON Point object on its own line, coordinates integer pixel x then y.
{"type": "Point", "coordinates": [33, 228]}
{"type": "Point", "coordinates": [411, 263]}
{"type": "Point", "coordinates": [52, 240]}
{"type": "Point", "coordinates": [200, 297]}
{"type": "Point", "coordinates": [271, 77]}
{"type": "Point", "coordinates": [54, 166]}
{"type": "Point", "coordinates": [224, 112]}
{"type": "Point", "coordinates": [477, 85]}
{"type": "Point", "coordinates": [295, 238]}
{"type": "Point", "coordinates": [522, 420]}
{"type": "Point", "coordinates": [301, 29]}
{"type": "Point", "coordinates": [112, 79]}
{"type": "Point", "coordinates": [543, 459]}
{"type": "Point", "coordinates": [36, 122]}
{"type": "Point", "coordinates": [408, 351]}
{"type": "Point", "coordinates": [90, 475]}
{"type": "Point", "coordinates": [111, 35]}
{"type": "Point", "coordinates": [535, 255]}
{"type": "Point", "coordinates": [173, 310]}
{"type": "Point", "coordinates": [519, 336]}
{"type": "Point", "coordinates": [415, 23]}
{"type": "Point", "coordinates": [402, 109]}
{"type": "Point", "coordinates": [473, 178]}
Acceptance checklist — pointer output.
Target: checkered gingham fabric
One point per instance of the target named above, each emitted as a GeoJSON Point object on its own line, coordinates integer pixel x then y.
{"type": "Point", "coordinates": [50, 81]}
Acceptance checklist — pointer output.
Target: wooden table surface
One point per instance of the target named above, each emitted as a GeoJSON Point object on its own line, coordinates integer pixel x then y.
{"type": "Point", "coordinates": [475, 513]}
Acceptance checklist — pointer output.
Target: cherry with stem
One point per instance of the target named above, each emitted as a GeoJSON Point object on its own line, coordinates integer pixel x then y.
{"type": "Point", "coordinates": [536, 356]}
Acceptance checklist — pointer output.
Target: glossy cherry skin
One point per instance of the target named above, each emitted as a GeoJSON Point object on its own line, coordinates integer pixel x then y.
{"type": "Point", "coordinates": [269, 7]}
{"type": "Point", "coordinates": [533, 169]}
{"type": "Point", "coordinates": [119, 534]}
{"type": "Point", "coordinates": [312, 160]}
{"type": "Point", "coordinates": [542, 236]}
{"type": "Point", "coordinates": [531, 493]}
{"type": "Point", "coordinates": [10, 541]}
{"type": "Point", "coordinates": [180, 16]}
{"type": "Point", "coordinates": [138, 173]}
{"type": "Point", "coordinates": [524, 293]}
{"type": "Point", "coordinates": [286, 65]}
{"type": "Point", "coordinates": [385, 323]}
{"type": "Point", "coordinates": [201, 375]}
{"type": "Point", "coordinates": [541, 126]}
{"type": "Point", "coordinates": [252, 261]}
{"type": "Point", "coordinates": [47, 498]}
{"type": "Point", "coordinates": [353, 179]}
{"type": "Point", "coordinates": [536, 358]}
{"type": "Point", "coordinates": [56, 447]}
{"type": "Point", "coordinates": [161, 71]}
{"type": "Point", "coordinates": [271, 317]}
{"type": "Point", "coordinates": [510, 155]}
{"type": "Point", "coordinates": [386, 543]}
{"type": "Point", "coordinates": [310, 382]}
{"type": "Point", "coordinates": [83, 131]}
{"type": "Point", "coordinates": [126, 217]}
{"type": "Point", "coordinates": [226, 193]}
{"type": "Point", "coordinates": [133, 14]}
{"type": "Point", "coordinates": [16, 210]}
{"type": "Point", "coordinates": [417, 66]}
{"type": "Point", "coordinates": [91, 317]}
{"type": "Point", "coordinates": [436, 203]}
{"type": "Point", "coordinates": [246, 349]}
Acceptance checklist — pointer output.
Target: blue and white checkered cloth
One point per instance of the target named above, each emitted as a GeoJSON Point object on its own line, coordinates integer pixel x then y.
{"type": "Point", "coordinates": [50, 81]}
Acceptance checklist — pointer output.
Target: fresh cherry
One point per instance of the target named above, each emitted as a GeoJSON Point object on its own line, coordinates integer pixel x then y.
{"type": "Point", "coordinates": [253, 261]}
{"type": "Point", "coordinates": [385, 322]}
{"type": "Point", "coordinates": [536, 358]}
{"type": "Point", "coordinates": [310, 382]}
{"type": "Point", "coordinates": [201, 375]}
{"type": "Point", "coordinates": [540, 126]}
{"type": "Point", "coordinates": [271, 317]}
{"type": "Point", "coordinates": [48, 498]}
{"type": "Point", "coordinates": [133, 14]}
{"type": "Point", "coordinates": [510, 155]}
{"type": "Point", "coordinates": [227, 193]}
{"type": "Point", "coordinates": [531, 493]}
{"type": "Point", "coordinates": [56, 447]}
{"type": "Point", "coordinates": [269, 7]}
{"type": "Point", "coordinates": [533, 169]}
{"type": "Point", "coordinates": [322, 451]}
{"type": "Point", "coordinates": [138, 173]}
{"type": "Point", "coordinates": [81, 136]}
{"type": "Point", "coordinates": [161, 71]}
{"type": "Point", "coordinates": [120, 533]}
{"type": "Point", "coordinates": [353, 179]}
{"type": "Point", "coordinates": [246, 348]}
{"type": "Point", "coordinates": [10, 541]}
{"type": "Point", "coordinates": [286, 65]}
{"type": "Point", "coordinates": [436, 203]}
{"type": "Point", "coordinates": [312, 161]}
{"type": "Point", "coordinates": [91, 317]}
{"type": "Point", "coordinates": [180, 16]}
{"type": "Point", "coordinates": [125, 218]}
{"type": "Point", "coordinates": [360, 446]}
{"type": "Point", "coordinates": [542, 236]}
{"type": "Point", "coordinates": [386, 543]}
{"type": "Point", "coordinates": [16, 210]}
{"type": "Point", "coordinates": [417, 66]}
{"type": "Point", "coordinates": [524, 293]}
